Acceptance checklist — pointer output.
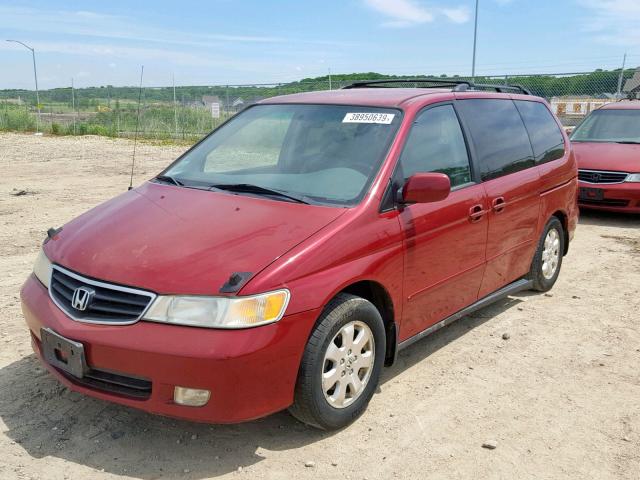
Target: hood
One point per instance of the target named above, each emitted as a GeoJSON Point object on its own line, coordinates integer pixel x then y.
{"type": "Point", "coordinates": [607, 156]}
{"type": "Point", "coordinates": [177, 240]}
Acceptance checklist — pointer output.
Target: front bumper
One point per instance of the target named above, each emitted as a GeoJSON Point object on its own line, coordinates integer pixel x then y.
{"type": "Point", "coordinates": [250, 373]}
{"type": "Point", "coordinates": [618, 197]}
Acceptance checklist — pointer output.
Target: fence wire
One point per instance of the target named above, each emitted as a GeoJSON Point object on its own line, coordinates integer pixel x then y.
{"type": "Point", "coordinates": [189, 112]}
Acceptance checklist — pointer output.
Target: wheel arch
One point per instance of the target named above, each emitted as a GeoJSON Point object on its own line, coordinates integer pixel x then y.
{"type": "Point", "coordinates": [564, 221]}
{"type": "Point", "coordinates": [378, 295]}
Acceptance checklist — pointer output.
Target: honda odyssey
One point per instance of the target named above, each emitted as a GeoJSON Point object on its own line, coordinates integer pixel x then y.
{"type": "Point", "coordinates": [607, 148]}
{"type": "Point", "coordinates": [287, 257]}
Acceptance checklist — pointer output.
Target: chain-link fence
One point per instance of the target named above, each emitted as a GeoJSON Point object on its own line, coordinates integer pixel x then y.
{"type": "Point", "coordinates": [190, 112]}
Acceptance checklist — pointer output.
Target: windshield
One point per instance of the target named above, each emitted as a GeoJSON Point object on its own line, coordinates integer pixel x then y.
{"type": "Point", "coordinates": [324, 154]}
{"type": "Point", "coordinates": [609, 126]}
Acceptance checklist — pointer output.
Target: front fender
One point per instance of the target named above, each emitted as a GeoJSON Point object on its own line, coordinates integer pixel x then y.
{"type": "Point", "coordinates": [363, 247]}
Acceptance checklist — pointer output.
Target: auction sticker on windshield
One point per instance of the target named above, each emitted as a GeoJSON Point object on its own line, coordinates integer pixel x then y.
{"type": "Point", "coordinates": [383, 118]}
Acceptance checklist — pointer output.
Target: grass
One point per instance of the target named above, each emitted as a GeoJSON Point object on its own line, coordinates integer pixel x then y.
{"type": "Point", "coordinates": [157, 121]}
{"type": "Point", "coordinates": [17, 119]}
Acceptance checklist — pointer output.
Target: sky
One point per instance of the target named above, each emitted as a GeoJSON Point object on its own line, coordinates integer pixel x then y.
{"type": "Point", "coordinates": [265, 41]}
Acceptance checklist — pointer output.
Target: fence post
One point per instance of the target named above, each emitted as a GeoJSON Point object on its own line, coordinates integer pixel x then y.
{"type": "Point", "coordinates": [175, 106]}
{"type": "Point", "coordinates": [73, 106]}
{"type": "Point", "coordinates": [624, 61]}
{"type": "Point", "coordinates": [183, 116]}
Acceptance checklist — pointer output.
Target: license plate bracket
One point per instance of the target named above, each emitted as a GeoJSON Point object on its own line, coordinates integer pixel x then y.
{"type": "Point", "coordinates": [63, 353]}
{"type": "Point", "coordinates": [587, 193]}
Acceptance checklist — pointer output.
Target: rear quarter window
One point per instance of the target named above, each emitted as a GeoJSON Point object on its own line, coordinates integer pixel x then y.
{"type": "Point", "coordinates": [546, 138]}
{"type": "Point", "coordinates": [499, 136]}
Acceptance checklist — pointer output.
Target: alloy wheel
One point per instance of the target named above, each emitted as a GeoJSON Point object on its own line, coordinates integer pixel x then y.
{"type": "Point", "coordinates": [551, 254]}
{"type": "Point", "coordinates": [348, 363]}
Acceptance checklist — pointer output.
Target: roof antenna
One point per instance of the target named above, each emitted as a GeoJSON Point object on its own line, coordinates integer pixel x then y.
{"type": "Point", "coordinates": [135, 138]}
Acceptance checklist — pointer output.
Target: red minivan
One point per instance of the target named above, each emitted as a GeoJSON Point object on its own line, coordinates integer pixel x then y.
{"type": "Point", "coordinates": [607, 148]}
{"type": "Point", "coordinates": [288, 256]}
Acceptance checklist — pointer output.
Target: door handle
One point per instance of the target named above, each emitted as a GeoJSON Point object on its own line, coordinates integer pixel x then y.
{"type": "Point", "coordinates": [498, 204]}
{"type": "Point", "coordinates": [476, 213]}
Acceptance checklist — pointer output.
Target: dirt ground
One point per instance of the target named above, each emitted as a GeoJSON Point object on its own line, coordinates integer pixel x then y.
{"type": "Point", "coordinates": [560, 397]}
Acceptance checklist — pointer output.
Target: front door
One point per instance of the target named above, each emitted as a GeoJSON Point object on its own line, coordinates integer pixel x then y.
{"type": "Point", "coordinates": [444, 241]}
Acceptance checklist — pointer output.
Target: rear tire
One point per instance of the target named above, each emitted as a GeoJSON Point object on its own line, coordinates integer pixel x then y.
{"type": "Point", "coordinates": [341, 365]}
{"type": "Point", "coordinates": [547, 260]}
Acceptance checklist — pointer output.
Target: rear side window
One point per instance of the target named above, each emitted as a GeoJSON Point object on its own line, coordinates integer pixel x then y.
{"type": "Point", "coordinates": [436, 144]}
{"type": "Point", "coordinates": [546, 137]}
{"type": "Point", "coordinates": [500, 139]}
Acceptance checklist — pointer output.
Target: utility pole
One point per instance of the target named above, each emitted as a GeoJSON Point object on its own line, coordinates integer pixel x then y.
{"type": "Point", "coordinates": [475, 41]}
{"type": "Point", "coordinates": [35, 74]}
{"type": "Point", "coordinates": [330, 79]}
{"type": "Point", "coordinates": [624, 61]}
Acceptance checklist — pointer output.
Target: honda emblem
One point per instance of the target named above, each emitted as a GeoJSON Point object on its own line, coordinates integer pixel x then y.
{"type": "Point", "coordinates": [82, 297]}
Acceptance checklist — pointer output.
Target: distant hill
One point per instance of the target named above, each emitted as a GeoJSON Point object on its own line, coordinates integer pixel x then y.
{"type": "Point", "coordinates": [597, 82]}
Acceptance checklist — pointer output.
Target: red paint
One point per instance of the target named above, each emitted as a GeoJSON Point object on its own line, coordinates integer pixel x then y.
{"type": "Point", "coordinates": [426, 188]}
{"type": "Point", "coordinates": [200, 237]}
{"type": "Point", "coordinates": [512, 236]}
{"type": "Point", "coordinates": [432, 259]}
{"type": "Point", "coordinates": [444, 257]}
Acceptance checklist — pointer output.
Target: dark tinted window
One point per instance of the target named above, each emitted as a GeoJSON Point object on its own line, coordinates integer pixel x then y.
{"type": "Point", "coordinates": [436, 144]}
{"type": "Point", "coordinates": [546, 137]}
{"type": "Point", "coordinates": [501, 141]}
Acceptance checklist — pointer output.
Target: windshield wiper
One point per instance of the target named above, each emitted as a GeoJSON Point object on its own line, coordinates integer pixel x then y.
{"type": "Point", "coordinates": [629, 142]}
{"type": "Point", "coordinates": [169, 179]}
{"type": "Point", "coordinates": [257, 189]}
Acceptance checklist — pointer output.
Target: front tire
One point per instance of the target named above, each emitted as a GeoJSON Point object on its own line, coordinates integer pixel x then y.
{"type": "Point", "coordinates": [547, 261]}
{"type": "Point", "coordinates": [341, 365]}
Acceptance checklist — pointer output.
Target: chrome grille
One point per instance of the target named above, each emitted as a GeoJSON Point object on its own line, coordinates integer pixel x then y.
{"type": "Point", "coordinates": [601, 176]}
{"type": "Point", "coordinates": [108, 303]}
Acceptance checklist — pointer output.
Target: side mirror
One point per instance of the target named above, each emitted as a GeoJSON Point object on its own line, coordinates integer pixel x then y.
{"type": "Point", "coordinates": [425, 188]}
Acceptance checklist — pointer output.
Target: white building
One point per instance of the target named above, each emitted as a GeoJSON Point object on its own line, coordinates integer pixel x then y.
{"type": "Point", "coordinates": [576, 106]}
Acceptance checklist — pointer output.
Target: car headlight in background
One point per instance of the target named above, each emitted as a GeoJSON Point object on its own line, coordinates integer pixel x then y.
{"type": "Point", "coordinates": [633, 177]}
{"type": "Point", "coordinates": [42, 268]}
{"type": "Point", "coordinates": [219, 312]}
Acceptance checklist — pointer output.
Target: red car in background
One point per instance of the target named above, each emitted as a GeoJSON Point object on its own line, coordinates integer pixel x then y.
{"type": "Point", "coordinates": [607, 147]}
{"type": "Point", "coordinates": [287, 257]}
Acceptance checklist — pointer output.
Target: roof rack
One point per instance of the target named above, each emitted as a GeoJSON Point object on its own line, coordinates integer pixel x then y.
{"type": "Point", "coordinates": [434, 83]}
{"type": "Point", "coordinates": [456, 85]}
{"type": "Point", "coordinates": [501, 88]}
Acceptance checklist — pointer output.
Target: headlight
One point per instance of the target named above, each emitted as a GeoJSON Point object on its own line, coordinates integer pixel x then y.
{"type": "Point", "coordinates": [42, 268]}
{"type": "Point", "coordinates": [219, 312]}
{"type": "Point", "coordinates": [633, 177]}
